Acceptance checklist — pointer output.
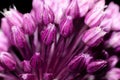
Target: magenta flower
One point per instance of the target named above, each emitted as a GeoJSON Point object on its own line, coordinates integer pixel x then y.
{"type": "Point", "coordinates": [61, 40]}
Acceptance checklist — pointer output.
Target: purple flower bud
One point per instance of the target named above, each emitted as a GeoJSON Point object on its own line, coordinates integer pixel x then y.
{"type": "Point", "coordinates": [36, 61]}
{"type": "Point", "coordinates": [27, 76]}
{"type": "Point", "coordinates": [95, 15]}
{"type": "Point", "coordinates": [66, 26]}
{"type": "Point", "coordinates": [113, 8]}
{"type": "Point", "coordinates": [72, 10]}
{"type": "Point", "coordinates": [13, 17]}
{"type": "Point", "coordinates": [84, 6]}
{"type": "Point", "coordinates": [116, 22]}
{"type": "Point", "coordinates": [115, 18]}
{"type": "Point", "coordinates": [79, 62]}
{"type": "Point", "coordinates": [38, 10]}
{"type": "Point", "coordinates": [96, 66]}
{"type": "Point", "coordinates": [18, 37]}
{"type": "Point", "coordinates": [114, 40]}
{"type": "Point", "coordinates": [7, 60]}
{"type": "Point", "coordinates": [26, 66]}
{"type": "Point", "coordinates": [113, 74]}
{"type": "Point", "coordinates": [106, 24]}
{"type": "Point", "coordinates": [48, 15]}
{"type": "Point", "coordinates": [108, 18]}
{"type": "Point", "coordinates": [4, 44]}
{"type": "Point", "coordinates": [93, 36]}
{"type": "Point", "coordinates": [5, 27]}
{"type": "Point", "coordinates": [32, 13]}
{"type": "Point", "coordinates": [29, 26]}
{"type": "Point", "coordinates": [48, 76]}
{"type": "Point", "coordinates": [58, 7]}
{"type": "Point", "coordinates": [113, 61]}
{"type": "Point", "coordinates": [48, 34]}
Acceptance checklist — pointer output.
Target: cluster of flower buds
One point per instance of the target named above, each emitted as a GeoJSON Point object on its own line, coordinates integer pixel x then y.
{"type": "Point", "coordinates": [61, 40]}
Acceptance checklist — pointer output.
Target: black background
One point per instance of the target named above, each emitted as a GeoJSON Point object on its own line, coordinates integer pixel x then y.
{"type": "Point", "coordinates": [25, 6]}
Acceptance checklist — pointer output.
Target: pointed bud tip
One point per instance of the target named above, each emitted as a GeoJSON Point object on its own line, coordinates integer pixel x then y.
{"type": "Point", "coordinates": [48, 34]}
{"type": "Point", "coordinates": [96, 66]}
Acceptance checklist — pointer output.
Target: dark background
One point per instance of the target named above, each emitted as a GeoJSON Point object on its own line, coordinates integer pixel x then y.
{"type": "Point", "coordinates": [25, 6]}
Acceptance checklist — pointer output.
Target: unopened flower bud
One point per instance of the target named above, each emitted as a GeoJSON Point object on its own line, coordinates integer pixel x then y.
{"type": "Point", "coordinates": [79, 62]}
{"type": "Point", "coordinates": [116, 22]}
{"type": "Point", "coordinates": [112, 8]}
{"type": "Point", "coordinates": [48, 15]}
{"type": "Point", "coordinates": [14, 17]}
{"type": "Point", "coordinates": [93, 36]}
{"type": "Point", "coordinates": [58, 7]}
{"type": "Point", "coordinates": [96, 66]}
{"type": "Point", "coordinates": [48, 76]}
{"type": "Point", "coordinates": [7, 60]}
{"type": "Point", "coordinates": [95, 15]}
{"type": "Point", "coordinates": [18, 37]}
{"type": "Point", "coordinates": [27, 76]}
{"type": "Point", "coordinates": [113, 74]}
{"type": "Point", "coordinates": [38, 10]}
{"type": "Point", "coordinates": [36, 61]}
{"type": "Point", "coordinates": [84, 6]}
{"type": "Point", "coordinates": [29, 26]}
{"type": "Point", "coordinates": [113, 61]}
{"type": "Point", "coordinates": [106, 24]}
{"type": "Point", "coordinates": [66, 26]}
{"type": "Point", "coordinates": [48, 34]}
{"type": "Point", "coordinates": [4, 43]}
{"type": "Point", "coordinates": [114, 40]}
{"type": "Point", "coordinates": [108, 18]}
{"type": "Point", "coordinates": [26, 66]}
{"type": "Point", "coordinates": [6, 28]}
{"type": "Point", "coordinates": [72, 10]}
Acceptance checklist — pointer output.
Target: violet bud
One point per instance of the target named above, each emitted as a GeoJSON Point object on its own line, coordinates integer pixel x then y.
{"type": "Point", "coordinates": [66, 26]}
{"type": "Point", "coordinates": [48, 34]}
{"type": "Point", "coordinates": [72, 10]}
{"type": "Point", "coordinates": [26, 66]}
{"type": "Point", "coordinates": [112, 8]}
{"type": "Point", "coordinates": [115, 22]}
{"type": "Point", "coordinates": [93, 36]}
{"type": "Point", "coordinates": [95, 15]}
{"type": "Point", "coordinates": [48, 15]}
{"type": "Point", "coordinates": [27, 76]}
{"type": "Point", "coordinates": [58, 7]}
{"type": "Point", "coordinates": [106, 24]}
{"type": "Point", "coordinates": [4, 43]}
{"type": "Point", "coordinates": [113, 61]}
{"type": "Point", "coordinates": [29, 26]}
{"type": "Point", "coordinates": [48, 76]}
{"type": "Point", "coordinates": [114, 40]}
{"type": "Point", "coordinates": [36, 61]}
{"type": "Point", "coordinates": [113, 74]}
{"type": "Point", "coordinates": [7, 60]}
{"type": "Point", "coordinates": [13, 16]}
{"type": "Point", "coordinates": [6, 28]}
{"type": "Point", "coordinates": [38, 10]}
{"type": "Point", "coordinates": [108, 18]}
{"type": "Point", "coordinates": [84, 6]}
{"type": "Point", "coordinates": [18, 36]}
{"type": "Point", "coordinates": [79, 62]}
{"type": "Point", "coordinates": [96, 66]}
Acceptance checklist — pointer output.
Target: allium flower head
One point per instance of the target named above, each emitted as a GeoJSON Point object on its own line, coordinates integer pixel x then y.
{"type": "Point", "coordinates": [61, 40]}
